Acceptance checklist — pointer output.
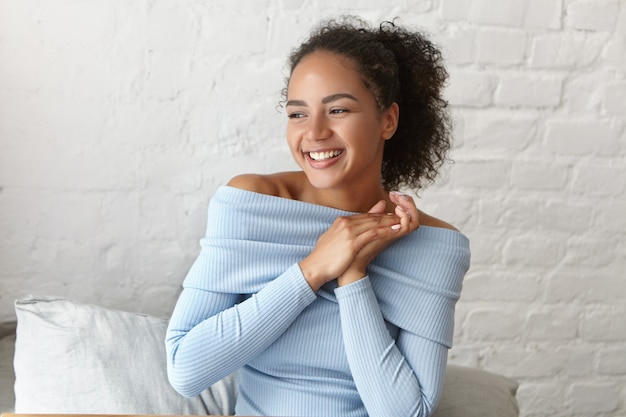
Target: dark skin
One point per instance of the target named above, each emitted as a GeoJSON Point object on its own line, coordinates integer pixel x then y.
{"type": "Point", "coordinates": [336, 134]}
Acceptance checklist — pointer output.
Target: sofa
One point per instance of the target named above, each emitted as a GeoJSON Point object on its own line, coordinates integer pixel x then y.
{"type": "Point", "coordinates": [64, 356]}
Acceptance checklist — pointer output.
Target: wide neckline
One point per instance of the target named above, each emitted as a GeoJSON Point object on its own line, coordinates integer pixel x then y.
{"type": "Point", "coordinates": [253, 196]}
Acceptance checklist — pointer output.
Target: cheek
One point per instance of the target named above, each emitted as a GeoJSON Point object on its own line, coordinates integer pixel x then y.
{"type": "Point", "coordinates": [292, 140]}
{"type": "Point", "coordinates": [362, 130]}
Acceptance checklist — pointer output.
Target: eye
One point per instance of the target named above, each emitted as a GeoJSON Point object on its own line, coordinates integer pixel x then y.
{"type": "Point", "coordinates": [338, 110]}
{"type": "Point", "coordinates": [295, 115]}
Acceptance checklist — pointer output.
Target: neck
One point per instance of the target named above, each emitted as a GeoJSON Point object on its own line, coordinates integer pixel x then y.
{"type": "Point", "coordinates": [352, 199]}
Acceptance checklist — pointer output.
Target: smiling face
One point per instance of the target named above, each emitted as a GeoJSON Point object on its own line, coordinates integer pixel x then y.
{"type": "Point", "coordinates": [335, 131]}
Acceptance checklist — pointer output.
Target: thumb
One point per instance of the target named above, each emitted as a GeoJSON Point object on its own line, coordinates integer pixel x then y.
{"type": "Point", "coordinates": [378, 208]}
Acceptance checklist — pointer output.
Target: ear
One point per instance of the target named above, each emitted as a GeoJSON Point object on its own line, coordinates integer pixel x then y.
{"type": "Point", "coordinates": [390, 121]}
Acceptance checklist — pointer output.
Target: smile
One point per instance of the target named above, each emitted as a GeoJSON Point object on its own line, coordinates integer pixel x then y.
{"type": "Point", "coordinates": [322, 156]}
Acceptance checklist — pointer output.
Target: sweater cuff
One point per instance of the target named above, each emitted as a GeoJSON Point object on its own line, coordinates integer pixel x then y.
{"type": "Point", "coordinates": [354, 289]}
{"type": "Point", "coordinates": [300, 284]}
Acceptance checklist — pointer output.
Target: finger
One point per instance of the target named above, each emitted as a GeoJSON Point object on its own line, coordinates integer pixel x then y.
{"type": "Point", "coordinates": [401, 199]}
{"type": "Point", "coordinates": [405, 208]}
{"type": "Point", "coordinates": [378, 207]}
{"type": "Point", "coordinates": [352, 226]}
{"type": "Point", "coordinates": [402, 214]}
{"type": "Point", "coordinates": [367, 220]}
{"type": "Point", "coordinates": [376, 234]}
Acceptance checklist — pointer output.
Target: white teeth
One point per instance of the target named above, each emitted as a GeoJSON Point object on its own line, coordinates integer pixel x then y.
{"type": "Point", "coordinates": [321, 156]}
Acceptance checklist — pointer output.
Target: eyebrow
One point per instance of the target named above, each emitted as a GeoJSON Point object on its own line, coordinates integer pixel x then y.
{"type": "Point", "coordinates": [325, 100]}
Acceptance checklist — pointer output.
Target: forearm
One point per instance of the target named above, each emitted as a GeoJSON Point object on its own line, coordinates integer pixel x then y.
{"type": "Point", "coordinates": [402, 378]}
{"type": "Point", "coordinates": [210, 336]}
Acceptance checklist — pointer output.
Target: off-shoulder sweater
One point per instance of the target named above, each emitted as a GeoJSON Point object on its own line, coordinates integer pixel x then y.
{"type": "Point", "coordinates": [376, 347]}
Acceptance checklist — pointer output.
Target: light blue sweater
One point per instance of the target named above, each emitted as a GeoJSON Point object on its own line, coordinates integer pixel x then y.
{"type": "Point", "coordinates": [376, 347]}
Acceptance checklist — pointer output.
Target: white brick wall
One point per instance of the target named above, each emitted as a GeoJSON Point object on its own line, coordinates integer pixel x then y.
{"type": "Point", "coordinates": [119, 119]}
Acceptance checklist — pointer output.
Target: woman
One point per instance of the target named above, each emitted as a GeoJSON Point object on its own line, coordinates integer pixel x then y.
{"type": "Point", "coordinates": [330, 295]}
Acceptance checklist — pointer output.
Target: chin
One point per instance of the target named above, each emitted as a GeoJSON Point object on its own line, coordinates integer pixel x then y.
{"type": "Point", "coordinates": [321, 183]}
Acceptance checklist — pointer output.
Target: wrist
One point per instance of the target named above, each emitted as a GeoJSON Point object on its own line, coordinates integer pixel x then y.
{"type": "Point", "coordinates": [350, 276]}
{"type": "Point", "coordinates": [312, 278]}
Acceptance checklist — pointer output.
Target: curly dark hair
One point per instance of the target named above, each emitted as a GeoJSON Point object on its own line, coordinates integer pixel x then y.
{"type": "Point", "coordinates": [398, 66]}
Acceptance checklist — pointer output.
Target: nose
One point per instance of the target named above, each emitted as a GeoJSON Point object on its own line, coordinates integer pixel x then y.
{"type": "Point", "coordinates": [317, 128]}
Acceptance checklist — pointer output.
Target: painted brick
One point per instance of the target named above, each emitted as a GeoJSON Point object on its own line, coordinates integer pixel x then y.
{"type": "Point", "coordinates": [527, 252]}
{"type": "Point", "coordinates": [557, 51]}
{"type": "Point", "coordinates": [559, 216]}
{"type": "Point", "coordinates": [583, 137]}
{"type": "Point", "coordinates": [548, 397]}
{"type": "Point", "coordinates": [482, 285]}
{"type": "Point", "coordinates": [567, 287]}
{"type": "Point", "coordinates": [523, 91]}
{"type": "Point", "coordinates": [540, 361]}
{"type": "Point", "coordinates": [13, 263]}
{"type": "Point", "coordinates": [254, 37]}
{"type": "Point", "coordinates": [79, 227]}
{"type": "Point", "coordinates": [245, 7]}
{"type": "Point", "coordinates": [553, 323]}
{"type": "Point", "coordinates": [536, 175]}
{"type": "Point", "coordinates": [470, 89]}
{"type": "Point", "coordinates": [490, 212]}
{"type": "Point", "coordinates": [493, 324]}
{"type": "Point", "coordinates": [543, 14]}
{"type": "Point", "coordinates": [455, 9]}
{"type": "Point", "coordinates": [594, 397]}
{"type": "Point", "coordinates": [458, 45]}
{"type": "Point", "coordinates": [611, 216]}
{"type": "Point", "coordinates": [456, 209]}
{"type": "Point", "coordinates": [604, 323]}
{"type": "Point", "coordinates": [142, 118]}
{"type": "Point", "coordinates": [615, 53]}
{"type": "Point", "coordinates": [499, 13]}
{"type": "Point", "coordinates": [574, 360]}
{"type": "Point", "coordinates": [487, 174]}
{"type": "Point", "coordinates": [590, 286]}
{"type": "Point", "coordinates": [591, 251]}
{"type": "Point", "coordinates": [599, 180]}
{"type": "Point", "coordinates": [484, 252]}
{"type": "Point", "coordinates": [498, 132]}
{"type": "Point", "coordinates": [283, 31]}
{"type": "Point", "coordinates": [598, 15]}
{"type": "Point", "coordinates": [500, 46]}
{"type": "Point", "coordinates": [614, 99]}
{"type": "Point", "coordinates": [621, 22]}
{"type": "Point", "coordinates": [612, 361]}
{"type": "Point", "coordinates": [582, 95]}
{"type": "Point", "coordinates": [543, 215]}
{"type": "Point", "coordinates": [460, 317]}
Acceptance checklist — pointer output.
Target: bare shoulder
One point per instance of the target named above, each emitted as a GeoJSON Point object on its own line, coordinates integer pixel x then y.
{"type": "Point", "coordinates": [279, 184]}
{"type": "Point", "coordinates": [428, 220]}
{"type": "Point", "coordinates": [253, 182]}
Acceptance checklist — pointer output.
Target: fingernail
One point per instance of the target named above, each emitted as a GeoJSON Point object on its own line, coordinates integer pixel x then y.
{"type": "Point", "coordinates": [401, 194]}
{"type": "Point", "coordinates": [396, 226]}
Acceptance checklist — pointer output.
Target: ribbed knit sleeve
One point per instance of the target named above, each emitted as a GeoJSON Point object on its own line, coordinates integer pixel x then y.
{"type": "Point", "coordinates": [393, 379]}
{"type": "Point", "coordinates": [210, 336]}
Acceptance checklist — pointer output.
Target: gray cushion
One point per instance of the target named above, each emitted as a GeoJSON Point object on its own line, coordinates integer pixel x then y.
{"type": "Point", "coordinates": [83, 359]}
{"type": "Point", "coordinates": [7, 377]}
{"type": "Point", "coordinates": [77, 358]}
{"type": "Point", "coordinates": [469, 392]}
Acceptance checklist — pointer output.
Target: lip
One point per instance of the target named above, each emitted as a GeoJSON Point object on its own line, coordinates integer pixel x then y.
{"type": "Point", "coordinates": [325, 163]}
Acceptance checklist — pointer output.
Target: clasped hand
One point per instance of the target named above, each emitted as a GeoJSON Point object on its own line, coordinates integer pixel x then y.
{"type": "Point", "coordinates": [346, 249]}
